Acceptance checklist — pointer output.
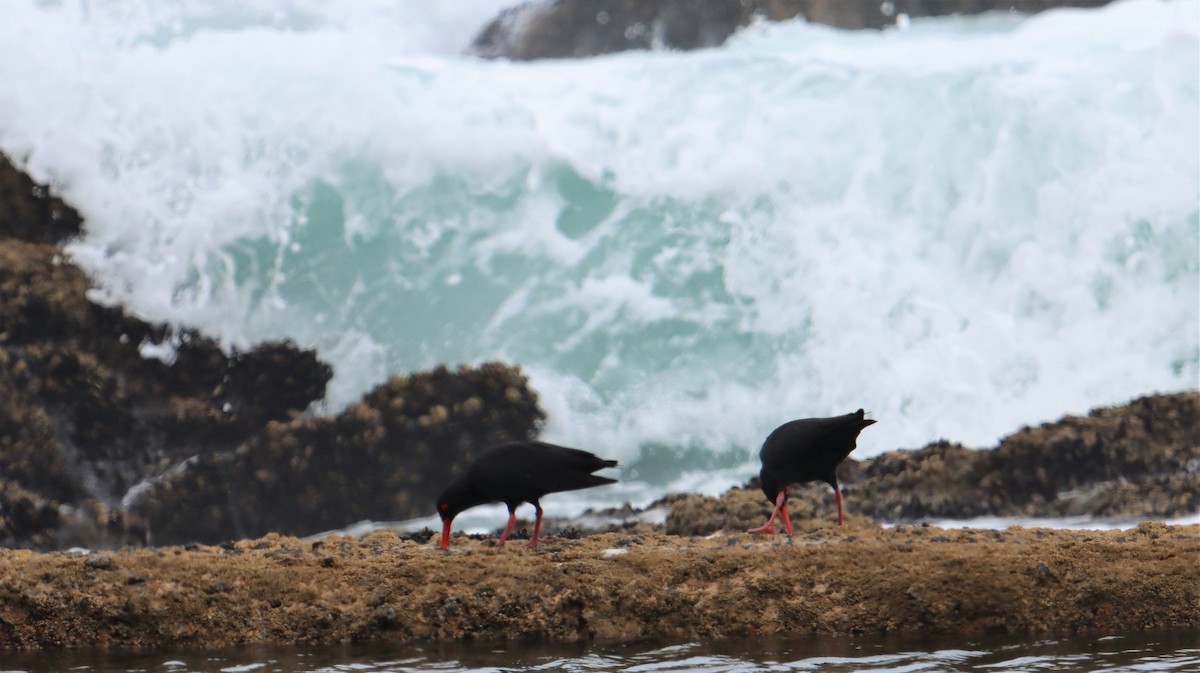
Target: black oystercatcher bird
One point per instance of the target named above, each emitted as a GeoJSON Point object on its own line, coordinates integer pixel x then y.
{"type": "Point", "coordinates": [806, 450]}
{"type": "Point", "coordinates": [518, 472]}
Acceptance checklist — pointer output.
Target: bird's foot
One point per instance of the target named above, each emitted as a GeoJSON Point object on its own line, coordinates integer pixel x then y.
{"type": "Point", "coordinates": [767, 528]}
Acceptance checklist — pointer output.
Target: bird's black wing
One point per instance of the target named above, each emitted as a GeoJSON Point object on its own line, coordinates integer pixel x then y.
{"type": "Point", "coordinates": [576, 459]}
{"type": "Point", "coordinates": [526, 471]}
{"type": "Point", "coordinates": [809, 448]}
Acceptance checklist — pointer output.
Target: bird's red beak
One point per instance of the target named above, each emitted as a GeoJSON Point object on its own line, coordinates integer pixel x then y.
{"type": "Point", "coordinates": [445, 533]}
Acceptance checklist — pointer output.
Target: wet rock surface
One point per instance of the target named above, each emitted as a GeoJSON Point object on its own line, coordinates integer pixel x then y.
{"type": "Point", "coordinates": [580, 28]}
{"type": "Point", "coordinates": [859, 579]}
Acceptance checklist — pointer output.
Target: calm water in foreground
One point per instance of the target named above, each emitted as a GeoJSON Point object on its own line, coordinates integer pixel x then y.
{"type": "Point", "coordinates": [1143, 652]}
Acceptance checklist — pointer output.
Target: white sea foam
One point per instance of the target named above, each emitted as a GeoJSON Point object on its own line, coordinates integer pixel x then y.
{"type": "Point", "coordinates": [966, 226]}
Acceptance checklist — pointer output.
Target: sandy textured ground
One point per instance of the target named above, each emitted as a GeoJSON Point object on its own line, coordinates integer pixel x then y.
{"type": "Point", "coordinates": [612, 586]}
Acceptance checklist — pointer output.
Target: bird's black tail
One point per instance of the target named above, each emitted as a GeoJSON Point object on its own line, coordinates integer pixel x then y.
{"type": "Point", "coordinates": [578, 459]}
{"type": "Point", "coordinates": [861, 418]}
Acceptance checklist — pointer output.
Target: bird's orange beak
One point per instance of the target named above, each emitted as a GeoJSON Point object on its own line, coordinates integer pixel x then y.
{"type": "Point", "coordinates": [445, 533]}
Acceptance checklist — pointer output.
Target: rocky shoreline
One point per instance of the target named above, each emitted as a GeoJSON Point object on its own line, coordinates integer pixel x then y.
{"type": "Point", "coordinates": [103, 445]}
{"type": "Point", "coordinates": [195, 470]}
{"type": "Point", "coordinates": [1140, 459]}
{"type": "Point", "coordinates": [608, 587]}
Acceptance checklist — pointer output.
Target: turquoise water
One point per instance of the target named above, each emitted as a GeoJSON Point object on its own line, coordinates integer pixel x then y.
{"type": "Point", "coordinates": [1144, 652]}
{"type": "Point", "coordinates": [964, 227]}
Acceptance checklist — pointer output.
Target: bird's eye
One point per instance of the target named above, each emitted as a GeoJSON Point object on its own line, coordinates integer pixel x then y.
{"type": "Point", "coordinates": [445, 506]}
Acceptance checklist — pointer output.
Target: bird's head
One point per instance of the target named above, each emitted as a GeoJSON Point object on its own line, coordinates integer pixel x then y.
{"type": "Point", "coordinates": [452, 501]}
{"type": "Point", "coordinates": [770, 487]}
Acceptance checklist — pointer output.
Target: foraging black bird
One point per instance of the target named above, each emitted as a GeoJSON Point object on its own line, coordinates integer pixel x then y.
{"type": "Point", "coordinates": [517, 472]}
{"type": "Point", "coordinates": [804, 450]}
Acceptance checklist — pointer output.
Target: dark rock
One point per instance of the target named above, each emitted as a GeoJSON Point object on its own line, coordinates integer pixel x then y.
{"type": "Point", "coordinates": [420, 537]}
{"type": "Point", "coordinates": [898, 485]}
{"type": "Point", "coordinates": [1128, 460]}
{"type": "Point", "coordinates": [83, 416]}
{"type": "Point", "coordinates": [1152, 440]}
{"type": "Point", "coordinates": [30, 452]}
{"type": "Point", "coordinates": [100, 562]}
{"type": "Point", "coordinates": [26, 518]}
{"type": "Point", "coordinates": [29, 212]}
{"type": "Point", "coordinates": [577, 28]}
{"type": "Point", "coordinates": [95, 525]}
{"type": "Point", "coordinates": [580, 28]}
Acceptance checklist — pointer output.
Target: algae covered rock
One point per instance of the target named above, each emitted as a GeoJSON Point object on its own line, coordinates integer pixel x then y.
{"type": "Point", "coordinates": [1140, 459]}
{"type": "Point", "coordinates": [1148, 444]}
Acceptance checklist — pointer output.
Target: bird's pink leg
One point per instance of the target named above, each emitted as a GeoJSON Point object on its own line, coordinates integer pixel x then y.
{"type": "Point", "coordinates": [769, 526]}
{"type": "Point", "coordinates": [787, 523]}
{"type": "Point", "coordinates": [537, 526]}
{"type": "Point", "coordinates": [512, 519]}
{"type": "Point", "coordinates": [837, 493]}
